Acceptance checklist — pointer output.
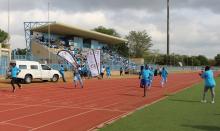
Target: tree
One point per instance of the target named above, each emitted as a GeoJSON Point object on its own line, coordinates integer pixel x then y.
{"type": "Point", "coordinates": [139, 43]}
{"type": "Point", "coordinates": [3, 36]}
{"type": "Point", "coordinates": [203, 60]}
{"type": "Point", "coordinates": [108, 31]}
{"type": "Point", "coordinates": [21, 51]}
{"type": "Point", "coordinates": [217, 60]}
{"type": "Point", "coordinates": [120, 48]}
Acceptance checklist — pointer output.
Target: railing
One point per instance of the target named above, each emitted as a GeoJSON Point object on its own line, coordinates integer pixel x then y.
{"type": "Point", "coordinates": [4, 60]}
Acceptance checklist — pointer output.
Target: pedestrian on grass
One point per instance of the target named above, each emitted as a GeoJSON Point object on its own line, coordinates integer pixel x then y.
{"type": "Point", "coordinates": [14, 72]}
{"type": "Point", "coordinates": [209, 84]}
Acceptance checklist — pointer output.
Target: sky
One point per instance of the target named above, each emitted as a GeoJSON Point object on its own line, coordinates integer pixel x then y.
{"type": "Point", "coordinates": [194, 24]}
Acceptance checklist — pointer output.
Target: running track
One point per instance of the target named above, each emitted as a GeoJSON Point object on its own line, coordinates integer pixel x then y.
{"type": "Point", "coordinates": [61, 107]}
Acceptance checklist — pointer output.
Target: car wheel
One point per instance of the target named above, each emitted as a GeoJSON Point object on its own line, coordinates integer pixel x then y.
{"type": "Point", "coordinates": [55, 78]}
{"type": "Point", "coordinates": [28, 79]}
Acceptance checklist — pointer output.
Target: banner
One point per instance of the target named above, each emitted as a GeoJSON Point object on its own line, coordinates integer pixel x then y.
{"type": "Point", "coordinates": [180, 63]}
{"type": "Point", "coordinates": [93, 59]}
{"type": "Point", "coordinates": [68, 57]}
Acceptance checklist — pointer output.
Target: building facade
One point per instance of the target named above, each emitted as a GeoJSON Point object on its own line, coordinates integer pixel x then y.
{"type": "Point", "coordinates": [5, 57]}
{"type": "Point", "coordinates": [47, 40]}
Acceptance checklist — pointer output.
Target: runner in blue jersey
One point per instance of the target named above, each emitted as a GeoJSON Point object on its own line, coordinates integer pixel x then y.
{"type": "Point", "coordinates": [209, 84]}
{"type": "Point", "coordinates": [14, 72]}
{"type": "Point", "coordinates": [164, 75]}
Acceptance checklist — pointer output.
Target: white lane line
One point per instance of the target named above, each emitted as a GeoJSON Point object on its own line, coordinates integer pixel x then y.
{"type": "Point", "coordinates": [30, 115]}
{"type": "Point", "coordinates": [66, 118]}
{"type": "Point", "coordinates": [14, 109]}
{"type": "Point", "coordinates": [28, 127]}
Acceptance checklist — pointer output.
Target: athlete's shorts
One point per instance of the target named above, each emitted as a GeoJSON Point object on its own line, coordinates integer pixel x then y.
{"type": "Point", "coordinates": [209, 87]}
{"type": "Point", "coordinates": [77, 77]}
{"type": "Point", "coordinates": [145, 82]}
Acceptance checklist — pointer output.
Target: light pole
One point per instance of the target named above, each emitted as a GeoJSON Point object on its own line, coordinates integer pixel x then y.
{"type": "Point", "coordinates": [168, 34]}
{"type": "Point", "coordinates": [49, 61]}
{"type": "Point", "coordinates": [8, 20]}
{"type": "Point", "coordinates": [168, 22]}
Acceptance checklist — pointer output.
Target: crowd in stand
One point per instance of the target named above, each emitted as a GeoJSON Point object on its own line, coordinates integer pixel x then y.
{"type": "Point", "coordinates": [108, 57]}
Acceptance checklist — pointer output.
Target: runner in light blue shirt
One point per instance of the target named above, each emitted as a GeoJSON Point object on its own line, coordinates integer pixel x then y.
{"type": "Point", "coordinates": [209, 84]}
{"type": "Point", "coordinates": [14, 72]}
{"type": "Point", "coordinates": [62, 73]}
{"type": "Point", "coordinates": [164, 75]}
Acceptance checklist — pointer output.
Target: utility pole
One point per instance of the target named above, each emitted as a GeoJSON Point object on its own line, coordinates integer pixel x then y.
{"type": "Point", "coordinates": [168, 22]}
{"type": "Point", "coordinates": [8, 21]}
{"type": "Point", "coordinates": [168, 35]}
{"type": "Point", "coordinates": [49, 61]}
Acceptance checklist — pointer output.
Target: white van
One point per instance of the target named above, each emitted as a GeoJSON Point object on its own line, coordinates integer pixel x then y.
{"type": "Point", "coordinates": [34, 70]}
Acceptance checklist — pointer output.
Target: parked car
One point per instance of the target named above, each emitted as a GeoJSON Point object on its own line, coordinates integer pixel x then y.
{"type": "Point", "coordinates": [34, 70]}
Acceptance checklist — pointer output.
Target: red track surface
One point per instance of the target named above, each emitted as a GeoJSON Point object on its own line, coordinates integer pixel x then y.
{"type": "Point", "coordinates": [61, 107]}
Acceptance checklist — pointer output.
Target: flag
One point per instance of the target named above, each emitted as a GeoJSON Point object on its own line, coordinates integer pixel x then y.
{"type": "Point", "coordinates": [65, 54]}
{"type": "Point", "coordinates": [93, 60]}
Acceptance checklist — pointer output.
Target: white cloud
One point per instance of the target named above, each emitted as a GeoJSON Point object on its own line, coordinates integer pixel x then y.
{"type": "Point", "coordinates": [193, 31]}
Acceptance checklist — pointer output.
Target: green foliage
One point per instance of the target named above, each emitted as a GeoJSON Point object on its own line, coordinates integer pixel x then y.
{"type": "Point", "coordinates": [121, 49]}
{"type": "Point", "coordinates": [139, 43]}
{"type": "Point", "coordinates": [179, 112]}
{"type": "Point", "coordinates": [21, 51]}
{"type": "Point", "coordinates": [4, 45]}
{"type": "Point", "coordinates": [174, 59]}
{"type": "Point", "coordinates": [217, 60]}
{"type": "Point", "coordinates": [3, 36]}
{"type": "Point", "coordinates": [203, 60]}
{"type": "Point", "coordinates": [108, 31]}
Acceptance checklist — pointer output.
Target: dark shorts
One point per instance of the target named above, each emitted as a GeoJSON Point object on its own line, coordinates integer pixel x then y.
{"type": "Point", "coordinates": [145, 82]}
{"type": "Point", "coordinates": [209, 87]}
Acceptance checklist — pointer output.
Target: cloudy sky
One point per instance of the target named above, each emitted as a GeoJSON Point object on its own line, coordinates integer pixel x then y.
{"type": "Point", "coordinates": [194, 24]}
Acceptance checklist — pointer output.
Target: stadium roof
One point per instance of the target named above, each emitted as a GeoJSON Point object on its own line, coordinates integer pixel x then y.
{"type": "Point", "coordinates": [61, 29]}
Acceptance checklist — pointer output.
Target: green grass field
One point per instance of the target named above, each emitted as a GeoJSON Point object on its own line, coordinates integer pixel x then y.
{"type": "Point", "coordinates": [180, 112]}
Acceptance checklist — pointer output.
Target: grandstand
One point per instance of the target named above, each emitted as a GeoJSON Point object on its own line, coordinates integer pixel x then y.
{"type": "Point", "coordinates": [48, 39]}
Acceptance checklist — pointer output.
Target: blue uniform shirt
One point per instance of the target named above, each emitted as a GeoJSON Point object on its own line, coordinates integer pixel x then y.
{"type": "Point", "coordinates": [14, 71]}
{"type": "Point", "coordinates": [108, 70]}
{"type": "Point", "coordinates": [209, 78]}
{"type": "Point", "coordinates": [146, 74]}
{"type": "Point", "coordinates": [164, 73]}
{"type": "Point", "coordinates": [62, 71]}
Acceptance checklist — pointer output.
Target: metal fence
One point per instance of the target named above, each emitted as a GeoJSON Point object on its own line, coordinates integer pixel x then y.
{"type": "Point", "coordinates": [4, 60]}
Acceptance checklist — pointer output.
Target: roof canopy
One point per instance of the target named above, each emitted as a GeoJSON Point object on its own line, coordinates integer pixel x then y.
{"type": "Point", "coordinates": [61, 29]}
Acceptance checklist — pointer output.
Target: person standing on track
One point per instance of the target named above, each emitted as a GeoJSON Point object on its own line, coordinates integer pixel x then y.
{"type": "Point", "coordinates": [102, 71]}
{"type": "Point", "coordinates": [140, 77]}
{"type": "Point", "coordinates": [164, 75]}
{"type": "Point", "coordinates": [62, 73]}
{"type": "Point", "coordinates": [151, 77]}
{"type": "Point", "coordinates": [121, 71]}
{"type": "Point", "coordinates": [108, 72]}
{"type": "Point", "coordinates": [14, 72]}
{"type": "Point", "coordinates": [77, 77]}
{"type": "Point", "coordinates": [209, 84]}
{"type": "Point", "coordinates": [146, 73]}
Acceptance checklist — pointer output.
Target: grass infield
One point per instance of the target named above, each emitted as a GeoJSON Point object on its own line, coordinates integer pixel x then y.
{"type": "Point", "coordinates": [180, 112]}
